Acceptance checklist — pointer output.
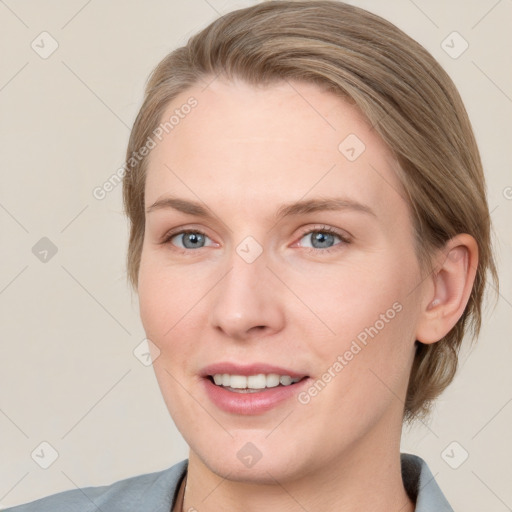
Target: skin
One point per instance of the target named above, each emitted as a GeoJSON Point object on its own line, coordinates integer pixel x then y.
{"type": "Point", "coordinates": [242, 153]}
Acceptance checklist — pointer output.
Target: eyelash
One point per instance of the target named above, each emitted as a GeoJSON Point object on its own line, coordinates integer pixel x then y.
{"type": "Point", "coordinates": [318, 229]}
{"type": "Point", "coordinates": [330, 231]}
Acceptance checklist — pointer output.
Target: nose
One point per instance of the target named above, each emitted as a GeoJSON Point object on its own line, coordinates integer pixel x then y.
{"type": "Point", "coordinates": [248, 300]}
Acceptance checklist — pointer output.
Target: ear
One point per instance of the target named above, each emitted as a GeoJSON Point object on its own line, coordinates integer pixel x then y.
{"type": "Point", "coordinates": [448, 288]}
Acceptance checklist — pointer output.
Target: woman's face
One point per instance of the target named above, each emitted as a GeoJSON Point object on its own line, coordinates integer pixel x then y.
{"type": "Point", "coordinates": [260, 284]}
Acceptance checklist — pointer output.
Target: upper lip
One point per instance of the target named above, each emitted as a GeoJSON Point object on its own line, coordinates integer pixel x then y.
{"type": "Point", "coordinates": [248, 369]}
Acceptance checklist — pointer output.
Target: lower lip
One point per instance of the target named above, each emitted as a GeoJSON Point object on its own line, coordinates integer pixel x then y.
{"type": "Point", "coordinates": [251, 403]}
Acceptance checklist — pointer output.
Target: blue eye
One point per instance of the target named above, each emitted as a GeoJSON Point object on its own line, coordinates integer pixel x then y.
{"type": "Point", "coordinates": [323, 239]}
{"type": "Point", "coordinates": [192, 239]}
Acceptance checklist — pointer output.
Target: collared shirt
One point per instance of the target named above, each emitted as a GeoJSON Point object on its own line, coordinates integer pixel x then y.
{"type": "Point", "coordinates": [158, 492]}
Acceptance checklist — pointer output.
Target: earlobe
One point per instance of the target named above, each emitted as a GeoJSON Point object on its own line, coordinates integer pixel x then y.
{"type": "Point", "coordinates": [448, 289]}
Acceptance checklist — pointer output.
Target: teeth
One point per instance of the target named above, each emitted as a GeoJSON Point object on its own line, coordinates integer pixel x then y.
{"type": "Point", "coordinates": [259, 381]}
{"type": "Point", "coordinates": [286, 380]}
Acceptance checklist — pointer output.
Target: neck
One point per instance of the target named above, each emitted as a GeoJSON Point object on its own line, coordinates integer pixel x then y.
{"type": "Point", "coordinates": [367, 477]}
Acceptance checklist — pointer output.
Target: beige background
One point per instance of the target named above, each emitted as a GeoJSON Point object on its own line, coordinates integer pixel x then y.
{"type": "Point", "coordinates": [69, 326]}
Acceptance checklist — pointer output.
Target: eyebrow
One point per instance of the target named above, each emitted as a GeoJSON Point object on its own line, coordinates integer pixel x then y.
{"type": "Point", "coordinates": [286, 210]}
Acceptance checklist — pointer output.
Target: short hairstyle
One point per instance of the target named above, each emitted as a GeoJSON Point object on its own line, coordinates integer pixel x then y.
{"type": "Point", "coordinates": [403, 92]}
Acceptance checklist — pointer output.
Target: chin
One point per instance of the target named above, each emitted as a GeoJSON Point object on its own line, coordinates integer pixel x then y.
{"type": "Point", "coordinates": [257, 462]}
{"type": "Point", "coordinates": [264, 471]}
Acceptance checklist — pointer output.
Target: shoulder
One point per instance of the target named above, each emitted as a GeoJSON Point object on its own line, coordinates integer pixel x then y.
{"type": "Point", "coordinates": [421, 485]}
{"type": "Point", "coordinates": [151, 491]}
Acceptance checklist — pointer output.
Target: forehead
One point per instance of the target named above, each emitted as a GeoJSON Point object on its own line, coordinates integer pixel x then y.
{"type": "Point", "coordinates": [285, 141]}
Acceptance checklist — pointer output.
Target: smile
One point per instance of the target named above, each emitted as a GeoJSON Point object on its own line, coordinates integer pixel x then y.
{"type": "Point", "coordinates": [252, 383]}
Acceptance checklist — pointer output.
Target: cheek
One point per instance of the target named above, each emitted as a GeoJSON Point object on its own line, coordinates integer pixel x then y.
{"type": "Point", "coordinates": [349, 299]}
{"type": "Point", "coordinates": [163, 312]}
{"type": "Point", "coordinates": [151, 299]}
{"type": "Point", "coordinates": [163, 294]}
{"type": "Point", "coordinates": [370, 317]}
{"type": "Point", "coordinates": [171, 312]}
{"type": "Point", "coordinates": [378, 352]}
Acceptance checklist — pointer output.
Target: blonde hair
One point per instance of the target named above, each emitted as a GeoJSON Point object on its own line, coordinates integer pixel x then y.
{"type": "Point", "coordinates": [405, 94]}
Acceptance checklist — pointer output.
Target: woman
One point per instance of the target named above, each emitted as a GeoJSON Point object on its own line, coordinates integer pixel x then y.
{"type": "Point", "coordinates": [310, 240]}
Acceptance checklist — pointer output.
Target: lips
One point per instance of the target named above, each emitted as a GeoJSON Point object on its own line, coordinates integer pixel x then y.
{"type": "Point", "coordinates": [250, 401]}
{"type": "Point", "coordinates": [249, 369]}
